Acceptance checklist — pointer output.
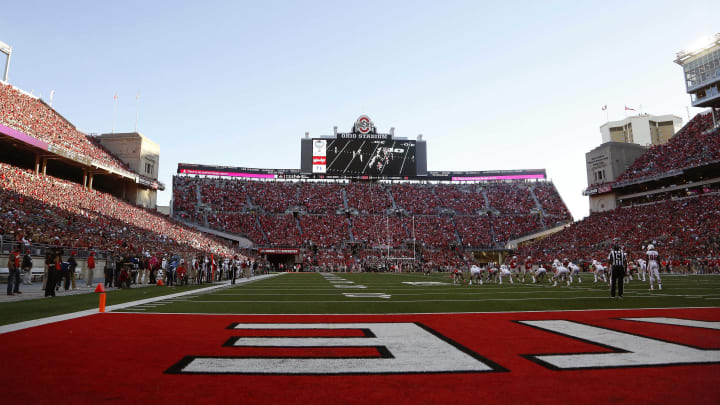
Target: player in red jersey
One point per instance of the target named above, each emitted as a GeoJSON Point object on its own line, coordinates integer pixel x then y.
{"type": "Point", "coordinates": [458, 277]}
{"type": "Point", "coordinates": [528, 268]}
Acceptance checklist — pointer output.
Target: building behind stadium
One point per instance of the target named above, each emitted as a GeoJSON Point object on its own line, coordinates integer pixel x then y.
{"type": "Point", "coordinates": [624, 141]}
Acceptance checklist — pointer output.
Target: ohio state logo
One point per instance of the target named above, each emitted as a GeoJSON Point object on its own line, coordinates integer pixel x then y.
{"type": "Point", "coordinates": [364, 125]}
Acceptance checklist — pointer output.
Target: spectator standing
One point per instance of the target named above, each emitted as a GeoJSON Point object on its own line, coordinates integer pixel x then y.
{"type": "Point", "coordinates": [91, 270]}
{"type": "Point", "coordinates": [14, 272]}
{"type": "Point", "coordinates": [109, 267]}
{"type": "Point", "coordinates": [27, 268]}
{"type": "Point", "coordinates": [72, 266]}
{"type": "Point", "coordinates": [53, 274]}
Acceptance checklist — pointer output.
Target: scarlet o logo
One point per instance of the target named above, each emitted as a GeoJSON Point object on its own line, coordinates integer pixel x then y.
{"type": "Point", "coordinates": [363, 124]}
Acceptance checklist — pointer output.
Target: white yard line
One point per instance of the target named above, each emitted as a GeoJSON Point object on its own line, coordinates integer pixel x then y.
{"type": "Point", "coordinates": [64, 317]}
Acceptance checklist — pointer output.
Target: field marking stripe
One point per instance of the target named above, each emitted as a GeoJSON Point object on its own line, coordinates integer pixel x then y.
{"type": "Point", "coordinates": [64, 317]}
{"type": "Point", "coordinates": [423, 313]}
{"type": "Point", "coordinates": [409, 301]}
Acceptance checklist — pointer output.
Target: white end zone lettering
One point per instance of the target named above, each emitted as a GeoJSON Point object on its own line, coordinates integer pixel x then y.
{"type": "Point", "coordinates": [629, 350]}
{"type": "Point", "coordinates": [404, 348]}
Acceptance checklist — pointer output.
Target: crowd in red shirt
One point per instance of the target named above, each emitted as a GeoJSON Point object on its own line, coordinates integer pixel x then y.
{"type": "Point", "coordinates": [47, 210]}
{"type": "Point", "coordinates": [33, 117]}
{"type": "Point", "coordinates": [682, 229]}
{"type": "Point", "coordinates": [694, 145]}
{"type": "Point", "coordinates": [445, 216]}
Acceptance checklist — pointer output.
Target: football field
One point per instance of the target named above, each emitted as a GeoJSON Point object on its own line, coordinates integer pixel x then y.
{"type": "Point", "coordinates": [399, 293]}
{"type": "Point", "coordinates": [378, 338]}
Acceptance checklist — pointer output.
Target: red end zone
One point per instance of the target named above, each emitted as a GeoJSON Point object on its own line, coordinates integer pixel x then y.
{"type": "Point", "coordinates": [145, 358]}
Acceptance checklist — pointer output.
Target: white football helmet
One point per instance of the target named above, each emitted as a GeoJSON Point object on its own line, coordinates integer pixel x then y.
{"type": "Point", "coordinates": [651, 247]}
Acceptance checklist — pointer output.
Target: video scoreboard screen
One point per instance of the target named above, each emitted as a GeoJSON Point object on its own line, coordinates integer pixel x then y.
{"type": "Point", "coordinates": [364, 157]}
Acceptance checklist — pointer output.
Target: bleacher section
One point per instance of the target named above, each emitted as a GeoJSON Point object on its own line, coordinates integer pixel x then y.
{"type": "Point", "coordinates": [696, 144]}
{"type": "Point", "coordinates": [329, 215]}
{"type": "Point", "coordinates": [33, 117]}
{"type": "Point", "coordinates": [44, 210]}
{"type": "Point", "coordinates": [682, 229]}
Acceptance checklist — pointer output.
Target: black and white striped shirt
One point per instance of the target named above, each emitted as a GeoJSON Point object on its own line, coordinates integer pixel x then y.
{"type": "Point", "coordinates": [617, 258]}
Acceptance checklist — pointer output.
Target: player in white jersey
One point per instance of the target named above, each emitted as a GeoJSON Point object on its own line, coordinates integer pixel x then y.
{"type": "Point", "coordinates": [599, 271]}
{"type": "Point", "coordinates": [574, 271]}
{"type": "Point", "coordinates": [539, 274]}
{"type": "Point", "coordinates": [653, 266]}
{"type": "Point", "coordinates": [505, 272]}
{"type": "Point", "coordinates": [475, 274]}
{"type": "Point", "coordinates": [642, 268]}
{"type": "Point", "coordinates": [561, 273]}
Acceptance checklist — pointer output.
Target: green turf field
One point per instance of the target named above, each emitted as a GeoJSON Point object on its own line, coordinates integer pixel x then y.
{"type": "Point", "coordinates": [315, 294]}
{"type": "Point", "coordinates": [18, 311]}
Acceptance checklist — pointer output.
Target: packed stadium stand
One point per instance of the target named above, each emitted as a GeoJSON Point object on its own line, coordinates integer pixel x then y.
{"type": "Point", "coordinates": [44, 210]}
{"type": "Point", "coordinates": [33, 117]}
{"type": "Point", "coordinates": [670, 196]}
{"type": "Point", "coordinates": [696, 144]}
{"type": "Point", "coordinates": [54, 209]}
{"type": "Point", "coordinates": [683, 229]}
{"type": "Point", "coordinates": [336, 215]}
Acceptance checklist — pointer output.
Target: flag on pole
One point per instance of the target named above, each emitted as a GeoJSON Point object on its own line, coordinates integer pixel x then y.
{"type": "Point", "coordinates": [604, 107]}
{"type": "Point", "coordinates": [629, 109]}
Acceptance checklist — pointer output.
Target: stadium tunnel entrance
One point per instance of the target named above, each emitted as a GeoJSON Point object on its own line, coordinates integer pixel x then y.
{"type": "Point", "coordinates": [282, 259]}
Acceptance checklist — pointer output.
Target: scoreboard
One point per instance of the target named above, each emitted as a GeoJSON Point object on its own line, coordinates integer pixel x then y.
{"type": "Point", "coordinates": [355, 157]}
{"type": "Point", "coordinates": [363, 153]}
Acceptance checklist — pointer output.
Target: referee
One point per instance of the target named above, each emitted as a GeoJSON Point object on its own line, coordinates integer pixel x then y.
{"type": "Point", "coordinates": [618, 261]}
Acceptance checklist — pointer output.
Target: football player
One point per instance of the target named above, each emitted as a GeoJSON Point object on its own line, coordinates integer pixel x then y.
{"type": "Point", "coordinates": [642, 266]}
{"type": "Point", "coordinates": [475, 274]}
{"type": "Point", "coordinates": [574, 271]}
{"type": "Point", "coordinates": [505, 272]}
{"type": "Point", "coordinates": [492, 272]}
{"type": "Point", "coordinates": [652, 266]}
{"type": "Point", "coordinates": [527, 268]}
{"type": "Point", "coordinates": [632, 269]}
{"type": "Point", "coordinates": [458, 277]}
{"type": "Point", "coordinates": [515, 268]}
{"type": "Point", "coordinates": [561, 273]}
{"type": "Point", "coordinates": [599, 271]}
{"type": "Point", "coordinates": [539, 275]}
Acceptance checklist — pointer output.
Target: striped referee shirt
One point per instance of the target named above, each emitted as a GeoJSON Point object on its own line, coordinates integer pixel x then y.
{"type": "Point", "coordinates": [617, 258]}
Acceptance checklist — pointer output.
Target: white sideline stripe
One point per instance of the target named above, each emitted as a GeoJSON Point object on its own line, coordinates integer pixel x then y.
{"type": "Point", "coordinates": [64, 317]}
{"type": "Point", "coordinates": [679, 322]}
{"type": "Point", "coordinates": [406, 301]}
{"type": "Point", "coordinates": [432, 293]}
{"type": "Point", "coordinates": [427, 313]}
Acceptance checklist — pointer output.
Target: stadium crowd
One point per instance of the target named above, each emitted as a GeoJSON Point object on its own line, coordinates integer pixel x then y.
{"type": "Point", "coordinates": [682, 230]}
{"type": "Point", "coordinates": [307, 213]}
{"type": "Point", "coordinates": [33, 117]}
{"type": "Point", "coordinates": [694, 145]}
{"type": "Point", "coordinates": [416, 199]}
{"type": "Point", "coordinates": [47, 210]}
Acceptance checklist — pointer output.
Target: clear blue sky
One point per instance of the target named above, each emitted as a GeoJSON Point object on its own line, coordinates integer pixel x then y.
{"type": "Point", "coordinates": [496, 85]}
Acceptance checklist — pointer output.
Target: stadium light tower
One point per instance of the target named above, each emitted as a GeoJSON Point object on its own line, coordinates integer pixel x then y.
{"type": "Point", "coordinates": [7, 50]}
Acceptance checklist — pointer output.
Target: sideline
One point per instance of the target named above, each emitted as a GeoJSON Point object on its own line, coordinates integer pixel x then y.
{"type": "Point", "coordinates": [64, 317]}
